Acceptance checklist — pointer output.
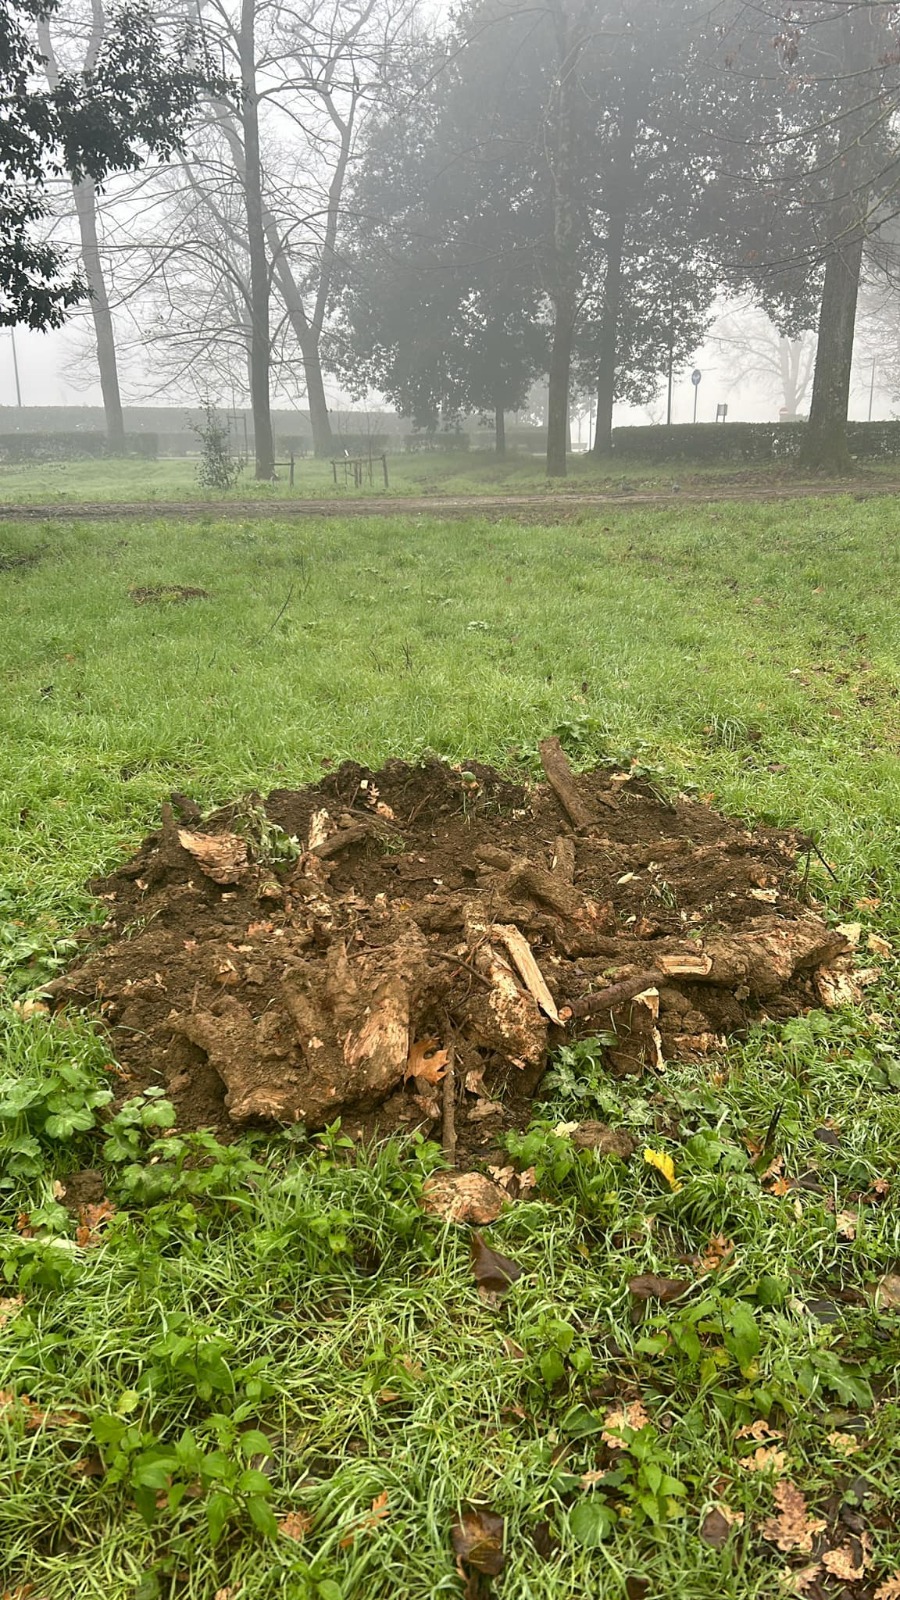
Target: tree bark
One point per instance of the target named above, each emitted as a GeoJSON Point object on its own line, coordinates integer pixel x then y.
{"type": "Point", "coordinates": [612, 288]}
{"type": "Point", "coordinates": [563, 286]}
{"type": "Point", "coordinates": [104, 333]}
{"type": "Point", "coordinates": [824, 447]}
{"type": "Point", "coordinates": [260, 346]}
{"type": "Point", "coordinates": [500, 429]}
{"type": "Point", "coordinates": [85, 197]}
{"type": "Point", "coordinates": [319, 419]}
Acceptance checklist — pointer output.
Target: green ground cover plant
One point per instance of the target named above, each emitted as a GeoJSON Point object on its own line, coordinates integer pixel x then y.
{"type": "Point", "coordinates": [261, 1369]}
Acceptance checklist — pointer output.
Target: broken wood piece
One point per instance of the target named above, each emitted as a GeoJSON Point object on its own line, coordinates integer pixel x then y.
{"type": "Point", "coordinates": [528, 969]}
{"type": "Point", "coordinates": [563, 863]}
{"type": "Point", "coordinates": [510, 1020]}
{"type": "Point", "coordinates": [459, 961]}
{"type": "Point", "coordinates": [488, 856]}
{"type": "Point", "coordinates": [562, 781]}
{"type": "Point", "coordinates": [537, 883]}
{"type": "Point", "coordinates": [685, 966]}
{"type": "Point", "coordinates": [616, 994]}
{"type": "Point", "coordinates": [340, 840]}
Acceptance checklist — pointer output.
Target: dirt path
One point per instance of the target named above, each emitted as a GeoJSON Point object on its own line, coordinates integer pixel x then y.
{"type": "Point", "coordinates": [541, 506]}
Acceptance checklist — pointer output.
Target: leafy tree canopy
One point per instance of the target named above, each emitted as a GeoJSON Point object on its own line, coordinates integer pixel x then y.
{"type": "Point", "coordinates": [135, 100]}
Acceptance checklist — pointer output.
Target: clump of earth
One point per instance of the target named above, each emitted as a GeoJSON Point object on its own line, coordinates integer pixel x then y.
{"type": "Point", "coordinates": [406, 948]}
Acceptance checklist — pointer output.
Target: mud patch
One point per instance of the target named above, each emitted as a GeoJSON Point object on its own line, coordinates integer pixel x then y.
{"type": "Point", "coordinates": [410, 945]}
{"type": "Point", "coordinates": [166, 594]}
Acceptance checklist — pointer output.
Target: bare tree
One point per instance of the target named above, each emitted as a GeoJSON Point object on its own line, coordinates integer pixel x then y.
{"type": "Point", "coordinates": [757, 353]}
{"type": "Point", "coordinates": [255, 207]}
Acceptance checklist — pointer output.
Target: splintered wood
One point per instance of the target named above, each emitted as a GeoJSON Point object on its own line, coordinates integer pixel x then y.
{"type": "Point", "coordinates": [434, 934]}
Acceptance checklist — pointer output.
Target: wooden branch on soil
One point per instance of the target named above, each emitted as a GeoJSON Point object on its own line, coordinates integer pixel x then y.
{"type": "Point", "coordinates": [563, 863]}
{"type": "Point", "coordinates": [448, 1108]}
{"type": "Point", "coordinates": [616, 994]}
{"type": "Point", "coordinates": [562, 781]}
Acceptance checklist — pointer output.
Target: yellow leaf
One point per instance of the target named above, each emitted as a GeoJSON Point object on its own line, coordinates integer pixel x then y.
{"type": "Point", "coordinates": [664, 1165]}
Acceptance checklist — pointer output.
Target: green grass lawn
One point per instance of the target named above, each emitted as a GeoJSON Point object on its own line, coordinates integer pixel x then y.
{"type": "Point", "coordinates": [274, 1333]}
{"type": "Point", "coordinates": [476, 472]}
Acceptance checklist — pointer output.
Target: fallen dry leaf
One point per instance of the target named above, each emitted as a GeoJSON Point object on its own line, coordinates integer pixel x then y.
{"type": "Point", "coordinates": [717, 1252]}
{"type": "Point", "coordinates": [295, 1525]}
{"type": "Point", "coordinates": [852, 932]}
{"type": "Point", "coordinates": [799, 1580]}
{"type": "Point", "coordinates": [758, 1430]}
{"type": "Point", "coordinates": [90, 1219]}
{"type": "Point", "coordinates": [846, 1223]}
{"type": "Point", "coordinates": [631, 1416]}
{"type": "Point", "coordinates": [889, 1590]}
{"type": "Point", "coordinates": [463, 1197]}
{"type": "Point", "coordinates": [650, 1286]}
{"type": "Point", "coordinates": [716, 1526]}
{"type": "Point", "coordinates": [887, 1292]}
{"type": "Point", "coordinates": [484, 1108]}
{"type": "Point", "coordinates": [34, 1416]}
{"type": "Point", "coordinates": [477, 1539]}
{"type": "Point", "coordinates": [846, 1562]}
{"type": "Point", "coordinates": [792, 1528]}
{"type": "Point", "coordinates": [846, 1444]}
{"type": "Point", "coordinates": [879, 946]}
{"type": "Point", "coordinates": [10, 1308]}
{"type": "Point", "coordinates": [427, 1060]}
{"type": "Point", "coordinates": [490, 1269]}
{"type": "Point", "coordinates": [379, 1510]}
{"type": "Point", "coordinates": [765, 1460]}
{"type": "Point", "coordinates": [221, 856]}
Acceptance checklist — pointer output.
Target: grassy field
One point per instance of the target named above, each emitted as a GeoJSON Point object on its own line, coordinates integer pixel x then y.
{"type": "Point", "coordinates": [478, 472]}
{"type": "Point", "coordinates": [275, 1417]}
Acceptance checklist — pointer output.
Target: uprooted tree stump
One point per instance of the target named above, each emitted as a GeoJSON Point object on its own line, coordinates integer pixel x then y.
{"type": "Point", "coordinates": [332, 951]}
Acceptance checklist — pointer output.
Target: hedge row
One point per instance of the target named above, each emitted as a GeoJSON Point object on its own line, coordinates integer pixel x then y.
{"type": "Point", "coordinates": [20, 447]}
{"type": "Point", "coordinates": [747, 441]}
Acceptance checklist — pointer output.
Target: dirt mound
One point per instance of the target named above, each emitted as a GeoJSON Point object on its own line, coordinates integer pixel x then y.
{"type": "Point", "coordinates": [414, 942]}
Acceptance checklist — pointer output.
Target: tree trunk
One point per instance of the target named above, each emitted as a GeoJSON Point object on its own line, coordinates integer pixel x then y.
{"type": "Point", "coordinates": [612, 288]}
{"type": "Point", "coordinates": [558, 396]}
{"type": "Point", "coordinates": [563, 287]}
{"type": "Point", "coordinates": [500, 430]}
{"type": "Point", "coordinates": [825, 444]}
{"type": "Point", "coordinates": [319, 420]}
{"type": "Point", "coordinates": [85, 196]}
{"type": "Point", "coordinates": [86, 208]}
{"type": "Point", "coordinates": [824, 447]}
{"type": "Point", "coordinates": [260, 347]}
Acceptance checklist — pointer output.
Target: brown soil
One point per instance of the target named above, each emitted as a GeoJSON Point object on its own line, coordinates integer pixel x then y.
{"type": "Point", "coordinates": [413, 963]}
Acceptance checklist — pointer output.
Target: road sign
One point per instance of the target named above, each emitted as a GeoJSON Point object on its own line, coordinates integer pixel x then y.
{"type": "Point", "coordinates": [696, 375]}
